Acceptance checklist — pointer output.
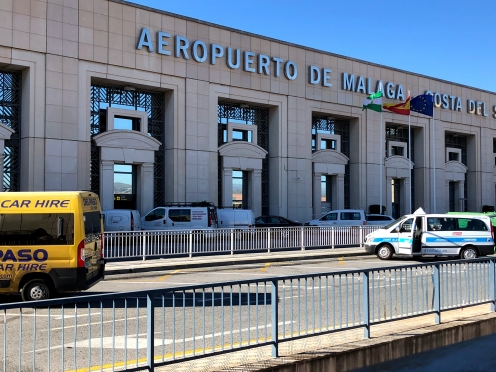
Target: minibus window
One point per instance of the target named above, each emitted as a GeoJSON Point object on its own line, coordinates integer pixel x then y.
{"type": "Point", "coordinates": [36, 229]}
{"type": "Point", "coordinates": [92, 226]}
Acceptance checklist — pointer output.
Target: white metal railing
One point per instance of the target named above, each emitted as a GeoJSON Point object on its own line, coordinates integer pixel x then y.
{"type": "Point", "coordinates": [148, 244]}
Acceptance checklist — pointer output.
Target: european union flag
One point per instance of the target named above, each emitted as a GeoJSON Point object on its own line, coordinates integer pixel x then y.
{"type": "Point", "coordinates": [423, 104]}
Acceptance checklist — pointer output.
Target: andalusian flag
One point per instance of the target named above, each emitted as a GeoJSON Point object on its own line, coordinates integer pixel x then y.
{"type": "Point", "coordinates": [373, 102]}
{"type": "Point", "coordinates": [399, 108]}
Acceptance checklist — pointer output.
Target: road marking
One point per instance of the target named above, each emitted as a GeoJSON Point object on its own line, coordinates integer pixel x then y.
{"type": "Point", "coordinates": [263, 269]}
{"type": "Point", "coordinates": [167, 276]}
{"type": "Point", "coordinates": [341, 260]}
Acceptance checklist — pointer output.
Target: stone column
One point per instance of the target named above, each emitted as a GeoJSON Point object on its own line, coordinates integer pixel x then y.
{"type": "Point", "coordinates": [389, 197]}
{"type": "Point", "coordinates": [405, 195]}
{"type": "Point", "coordinates": [446, 198]}
{"type": "Point", "coordinates": [461, 195]}
{"type": "Point", "coordinates": [146, 189]}
{"type": "Point", "coordinates": [340, 192]}
{"type": "Point", "coordinates": [107, 184]}
{"type": "Point", "coordinates": [227, 187]}
{"type": "Point", "coordinates": [317, 200]}
{"type": "Point", "coordinates": [256, 192]}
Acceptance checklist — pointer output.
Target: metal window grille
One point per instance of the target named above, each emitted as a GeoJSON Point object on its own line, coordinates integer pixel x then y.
{"type": "Point", "coordinates": [151, 102]}
{"type": "Point", "coordinates": [258, 116]}
{"type": "Point", "coordinates": [10, 115]}
{"type": "Point", "coordinates": [400, 134]}
{"type": "Point", "coordinates": [459, 142]}
{"type": "Point", "coordinates": [342, 128]}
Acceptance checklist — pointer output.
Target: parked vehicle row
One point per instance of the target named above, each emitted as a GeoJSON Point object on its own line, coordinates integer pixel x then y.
{"type": "Point", "coordinates": [180, 217]}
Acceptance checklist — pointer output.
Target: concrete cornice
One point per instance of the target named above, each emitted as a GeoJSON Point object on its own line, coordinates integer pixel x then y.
{"type": "Point", "coordinates": [126, 139]}
{"type": "Point", "coordinates": [397, 161]}
{"type": "Point", "coordinates": [329, 157]}
{"type": "Point", "coordinates": [242, 149]}
{"type": "Point", "coordinates": [5, 132]}
{"type": "Point", "coordinates": [455, 166]}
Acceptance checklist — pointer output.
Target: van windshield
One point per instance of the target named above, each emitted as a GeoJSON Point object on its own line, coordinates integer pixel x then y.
{"type": "Point", "coordinates": [394, 223]}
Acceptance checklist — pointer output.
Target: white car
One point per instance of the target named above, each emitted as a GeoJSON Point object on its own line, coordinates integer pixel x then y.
{"type": "Point", "coordinates": [378, 219]}
{"type": "Point", "coordinates": [343, 217]}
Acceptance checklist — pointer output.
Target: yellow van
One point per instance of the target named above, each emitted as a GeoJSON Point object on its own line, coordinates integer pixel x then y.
{"type": "Point", "coordinates": [50, 242]}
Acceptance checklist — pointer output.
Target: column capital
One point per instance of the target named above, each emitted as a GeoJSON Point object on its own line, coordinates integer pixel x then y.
{"type": "Point", "coordinates": [107, 165]}
{"type": "Point", "coordinates": [148, 166]}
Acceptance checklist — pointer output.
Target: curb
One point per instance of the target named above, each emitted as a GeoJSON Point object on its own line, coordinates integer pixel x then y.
{"type": "Point", "coordinates": [150, 266]}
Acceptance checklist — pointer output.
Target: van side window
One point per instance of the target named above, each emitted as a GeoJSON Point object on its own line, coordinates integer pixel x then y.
{"type": "Point", "coordinates": [330, 217]}
{"type": "Point", "coordinates": [407, 225]}
{"type": "Point", "coordinates": [37, 229]}
{"type": "Point", "coordinates": [180, 215]}
{"type": "Point", "coordinates": [448, 224]}
{"type": "Point", "coordinates": [475, 225]}
{"type": "Point", "coordinates": [350, 216]}
{"type": "Point", "coordinates": [156, 214]}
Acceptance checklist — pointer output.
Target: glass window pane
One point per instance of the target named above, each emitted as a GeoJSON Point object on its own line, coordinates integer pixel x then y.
{"type": "Point", "coordinates": [123, 168]}
{"type": "Point", "coordinates": [123, 179]}
{"type": "Point", "coordinates": [123, 123]}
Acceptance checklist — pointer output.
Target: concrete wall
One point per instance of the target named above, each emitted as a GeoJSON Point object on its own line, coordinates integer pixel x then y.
{"type": "Point", "coordinates": [63, 45]}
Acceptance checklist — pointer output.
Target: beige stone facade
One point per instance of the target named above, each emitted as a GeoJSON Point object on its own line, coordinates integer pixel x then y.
{"type": "Point", "coordinates": [63, 47]}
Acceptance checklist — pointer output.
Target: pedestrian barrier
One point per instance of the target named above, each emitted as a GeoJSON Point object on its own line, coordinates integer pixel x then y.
{"type": "Point", "coordinates": [153, 244]}
{"type": "Point", "coordinates": [146, 329]}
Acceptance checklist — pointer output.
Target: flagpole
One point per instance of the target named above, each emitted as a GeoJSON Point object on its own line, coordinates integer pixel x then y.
{"type": "Point", "coordinates": [434, 156]}
{"type": "Point", "coordinates": [381, 156]}
{"type": "Point", "coordinates": [410, 164]}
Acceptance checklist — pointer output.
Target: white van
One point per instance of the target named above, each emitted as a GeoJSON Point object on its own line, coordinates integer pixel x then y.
{"type": "Point", "coordinates": [180, 217]}
{"type": "Point", "coordinates": [343, 217]}
{"type": "Point", "coordinates": [121, 220]}
{"type": "Point", "coordinates": [233, 218]}
{"type": "Point", "coordinates": [420, 234]}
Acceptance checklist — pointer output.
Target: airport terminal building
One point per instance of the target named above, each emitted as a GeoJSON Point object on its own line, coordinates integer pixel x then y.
{"type": "Point", "coordinates": [146, 107]}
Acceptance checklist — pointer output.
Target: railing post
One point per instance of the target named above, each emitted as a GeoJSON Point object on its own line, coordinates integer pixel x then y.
{"type": "Point", "coordinates": [268, 240]}
{"type": "Point", "coordinates": [332, 237]}
{"type": "Point", "coordinates": [150, 332]}
{"type": "Point", "coordinates": [190, 243]}
{"type": "Point", "coordinates": [360, 236]}
{"type": "Point", "coordinates": [437, 294]}
{"type": "Point", "coordinates": [275, 320]}
{"type": "Point", "coordinates": [491, 284]}
{"type": "Point", "coordinates": [366, 304]}
{"type": "Point", "coordinates": [143, 245]}
{"type": "Point", "coordinates": [232, 241]}
{"type": "Point", "coordinates": [302, 241]}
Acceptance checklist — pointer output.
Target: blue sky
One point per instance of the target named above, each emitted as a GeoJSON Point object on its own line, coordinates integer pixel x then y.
{"type": "Point", "coordinates": [449, 40]}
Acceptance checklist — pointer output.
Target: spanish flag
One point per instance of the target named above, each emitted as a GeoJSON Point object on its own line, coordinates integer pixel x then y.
{"type": "Point", "coordinates": [398, 108]}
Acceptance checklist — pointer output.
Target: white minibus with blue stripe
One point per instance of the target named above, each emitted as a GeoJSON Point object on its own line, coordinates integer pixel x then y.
{"type": "Point", "coordinates": [422, 234]}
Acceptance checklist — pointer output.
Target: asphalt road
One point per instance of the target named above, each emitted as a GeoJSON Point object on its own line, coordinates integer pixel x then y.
{"type": "Point", "coordinates": [188, 322]}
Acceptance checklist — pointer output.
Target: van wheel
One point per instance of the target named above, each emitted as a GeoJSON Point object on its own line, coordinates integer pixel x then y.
{"type": "Point", "coordinates": [468, 253]}
{"type": "Point", "coordinates": [385, 252]}
{"type": "Point", "coordinates": [35, 290]}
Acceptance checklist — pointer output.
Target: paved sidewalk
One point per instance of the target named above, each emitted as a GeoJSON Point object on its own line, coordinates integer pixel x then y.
{"type": "Point", "coordinates": [164, 264]}
{"type": "Point", "coordinates": [259, 359]}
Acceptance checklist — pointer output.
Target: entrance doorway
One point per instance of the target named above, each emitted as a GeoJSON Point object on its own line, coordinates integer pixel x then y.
{"type": "Point", "coordinates": [124, 186]}
{"type": "Point", "coordinates": [240, 189]}
{"type": "Point", "coordinates": [395, 198]}
{"type": "Point", "coordinates": [326, 193]}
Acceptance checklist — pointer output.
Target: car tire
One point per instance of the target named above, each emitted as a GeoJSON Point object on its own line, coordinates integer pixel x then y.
{"type": "Point", "coordinates": [385, 252]}
{"type": "Point", "coordinates": [468, 253]}
{"type": "Point", "coordinates": [36, 290]}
